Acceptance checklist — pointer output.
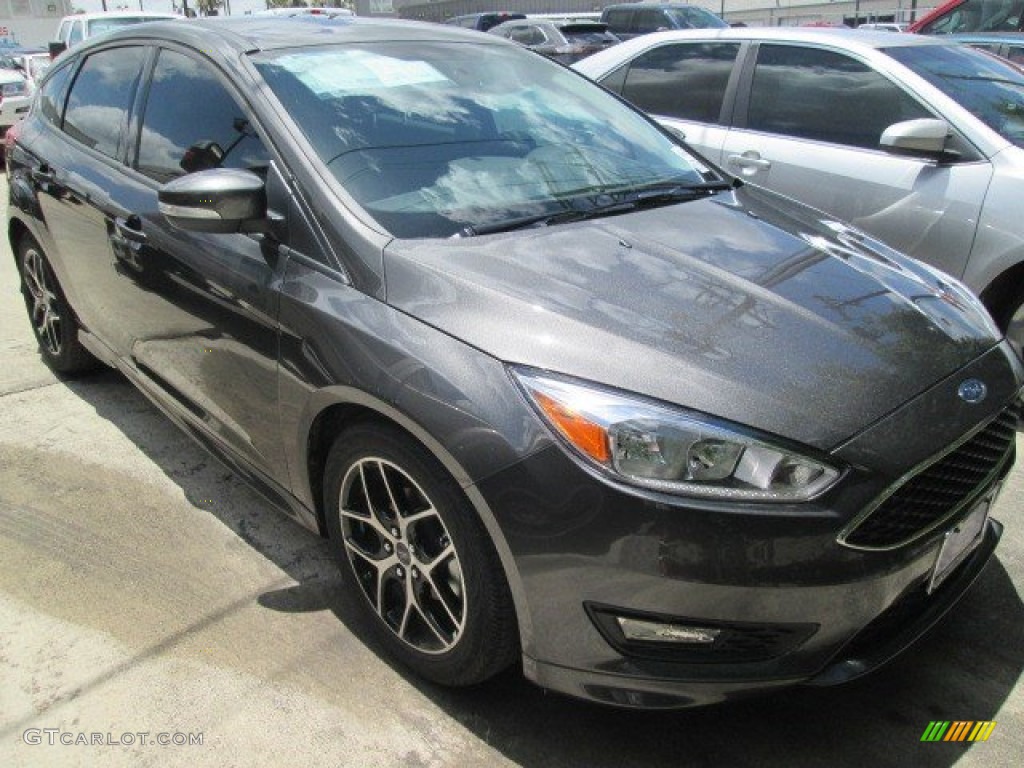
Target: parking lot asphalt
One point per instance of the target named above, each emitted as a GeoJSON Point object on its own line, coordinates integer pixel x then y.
{"type": "Point", "coordinates": [148, 596]}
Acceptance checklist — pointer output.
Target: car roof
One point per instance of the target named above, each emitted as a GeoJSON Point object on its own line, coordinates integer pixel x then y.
{"type": "Point", "coordinates": [864, 38]}
{"type": "Point", "coordinates": [248, 34]}
{"type": "Point", "coordinates": [119, 15]}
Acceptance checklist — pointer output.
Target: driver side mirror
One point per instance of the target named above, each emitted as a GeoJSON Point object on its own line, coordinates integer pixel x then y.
{"type": "Point", "coordinates": [220, 201]}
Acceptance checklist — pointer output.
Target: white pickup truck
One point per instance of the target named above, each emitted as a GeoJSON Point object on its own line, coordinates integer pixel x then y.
{"type": "Point", "coordinates": [81, 26]}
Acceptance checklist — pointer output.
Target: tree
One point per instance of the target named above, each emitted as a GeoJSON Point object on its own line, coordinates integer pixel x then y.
{"type": "Point", "coordinates": [206, 6]}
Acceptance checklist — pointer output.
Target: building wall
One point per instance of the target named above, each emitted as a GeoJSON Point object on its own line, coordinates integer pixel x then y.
{"type": "Point", "coordinates": [31, 22]}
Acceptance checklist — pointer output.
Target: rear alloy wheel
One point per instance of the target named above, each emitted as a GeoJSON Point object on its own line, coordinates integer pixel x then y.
{"type": "Point", "coordinates": [52, 320]}
{"type": "Point", "coordinates": [410, 545]}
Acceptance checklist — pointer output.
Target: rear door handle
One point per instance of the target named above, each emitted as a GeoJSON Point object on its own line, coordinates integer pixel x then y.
{"type": "Point", "coordinates": [751, 160]}
{"type": "Point", "coordinates": [130, 228]}
{"type": "Point", "coordinates": [43, 175]}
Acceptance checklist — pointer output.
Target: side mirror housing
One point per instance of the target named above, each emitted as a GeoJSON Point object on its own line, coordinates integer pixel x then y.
{"type": "Point", "coordinates": [56, 48]}
{"type": "Point", "coordinates": [926, 137]}
{"type": "Point", "coordinates": [679, 133]}
{"type": "Point", "coordinates": [220, 201]}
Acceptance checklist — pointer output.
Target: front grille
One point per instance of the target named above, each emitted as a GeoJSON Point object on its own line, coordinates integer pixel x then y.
{"type": "Point", "coordinates": [936, 492]}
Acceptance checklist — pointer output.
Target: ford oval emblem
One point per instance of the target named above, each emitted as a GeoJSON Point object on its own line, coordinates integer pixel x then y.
{"type": "Point", "coordinates": [972, 391]}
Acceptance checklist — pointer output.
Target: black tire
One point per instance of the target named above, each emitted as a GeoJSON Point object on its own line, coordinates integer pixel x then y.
{"type": "Point", "coordinates": [53, 321]}
{"type": "Point", "coordinates": [414, 556]}
{"type": "Point", "coordinates": [1012, 323]}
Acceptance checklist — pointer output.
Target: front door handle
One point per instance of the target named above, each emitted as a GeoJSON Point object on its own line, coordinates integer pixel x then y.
{"type": "Point", "coordinates": [751, 161]}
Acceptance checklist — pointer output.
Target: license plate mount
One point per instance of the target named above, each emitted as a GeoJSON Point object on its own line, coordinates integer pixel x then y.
{"type": "Point", "coordinates": [959, 542]}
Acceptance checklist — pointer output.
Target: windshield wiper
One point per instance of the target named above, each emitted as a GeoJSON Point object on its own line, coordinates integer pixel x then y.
{"type": "Point", "coordinates": [523, 222]}
{"type": "Point", "coordinates": [621, 201]}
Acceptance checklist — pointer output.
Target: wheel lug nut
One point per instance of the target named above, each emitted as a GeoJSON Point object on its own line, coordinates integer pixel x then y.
{"type": "Point", "coordinates": [395, 532]}
{"type": "Point", "coordinates": [387, 547]}
{"type": "Point", "coordinates": [415, 573]}
{"type": "Point", "coordinates": [400, 572]}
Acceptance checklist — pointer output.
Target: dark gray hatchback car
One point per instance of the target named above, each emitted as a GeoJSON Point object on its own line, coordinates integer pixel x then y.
{"type": "Point", "coordinates": [555, 388]}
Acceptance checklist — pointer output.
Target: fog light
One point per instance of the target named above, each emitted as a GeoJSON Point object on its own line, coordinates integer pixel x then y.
{"type": "Point", "coordinates": [657, 632]}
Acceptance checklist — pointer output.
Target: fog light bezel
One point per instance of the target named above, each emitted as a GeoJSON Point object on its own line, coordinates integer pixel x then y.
{"type": "Point", "coordinates": [734, 641]}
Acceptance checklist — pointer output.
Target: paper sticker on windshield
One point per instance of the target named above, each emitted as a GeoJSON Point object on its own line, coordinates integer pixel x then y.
{"type": "Point", "coordinates": [338, 74]}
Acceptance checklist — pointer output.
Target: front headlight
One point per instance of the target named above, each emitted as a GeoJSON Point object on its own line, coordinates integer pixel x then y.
{"type": "Point", "coordinates": [670, 450]}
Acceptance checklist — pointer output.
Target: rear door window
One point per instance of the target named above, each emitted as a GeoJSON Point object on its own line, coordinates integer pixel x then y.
{"type": "Point", "coordinates": [687, 81]}
{"type": "Point", "coordinates": [51, 96]}
{"type": "Point", "coordinates": [101, 97]}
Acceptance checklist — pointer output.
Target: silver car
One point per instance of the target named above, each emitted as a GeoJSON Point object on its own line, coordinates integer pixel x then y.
{"type": "Point", "coordinates": [916, 140]}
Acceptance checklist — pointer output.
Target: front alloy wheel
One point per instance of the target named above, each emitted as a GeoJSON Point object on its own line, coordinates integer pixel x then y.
{"type": "Point", "coordinates": [415, 558]}
{"type": "Point", "coordinates": [402, 555]}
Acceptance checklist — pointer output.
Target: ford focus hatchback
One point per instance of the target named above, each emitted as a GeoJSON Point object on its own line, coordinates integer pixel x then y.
{"type": "Point", "coordinates": [558, 392]}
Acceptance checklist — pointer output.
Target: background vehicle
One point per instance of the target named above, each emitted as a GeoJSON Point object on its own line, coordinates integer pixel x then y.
{"type": "Point", "coordinates": [914, 139]}
{"type": "Point", "coordinates": [329, 12]}
{"type": "Point", "coordinates": [884, 26]}
{"type": "Point", "coordinates": [15, 98]}
{"type": "Point", "coordinates": [630, 20]}
{"type": "Point", "coordinates": [482, 22]}
{"type": "Point", "coordinates": [1009, 45]}
{"type": "Point", "coordinates": [956, 16]}
{"type": "Point", "coordinates": [555, 389]}
{"type": "Point", "coordinates": [74, 29]}
{"type": "Point", "coordinates": [563, 41]}
{"type": "Point", "coordinates": [31, 63]}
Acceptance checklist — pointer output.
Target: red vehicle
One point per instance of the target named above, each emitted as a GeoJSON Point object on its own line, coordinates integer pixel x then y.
{"type": "Point", "coordinates": [957, 16]}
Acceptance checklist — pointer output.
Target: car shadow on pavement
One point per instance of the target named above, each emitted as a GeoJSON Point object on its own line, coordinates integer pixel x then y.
{"type": "Point", "coordinates": [965, 669]}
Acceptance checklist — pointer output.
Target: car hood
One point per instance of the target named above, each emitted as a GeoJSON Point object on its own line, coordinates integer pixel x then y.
{"type": "Point", "coordinates": [745, 306]}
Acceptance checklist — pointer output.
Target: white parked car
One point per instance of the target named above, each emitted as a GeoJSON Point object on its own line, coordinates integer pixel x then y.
{"type": "Point", "coordinates": [15, 98]}
{"type": "Point", "coordinates": [31, 63]}
{"type": "Point", "coordinates": [917, 140]}
{"type": "Point", "coordinates": [884, 26]}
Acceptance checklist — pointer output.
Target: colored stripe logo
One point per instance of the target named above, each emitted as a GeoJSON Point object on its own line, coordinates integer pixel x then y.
{"type": "Point", "coordinates": [958, 730]}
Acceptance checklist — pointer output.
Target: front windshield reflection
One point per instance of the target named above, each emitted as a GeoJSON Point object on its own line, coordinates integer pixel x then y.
{"type": "Point", "coordinates": [432, 138]}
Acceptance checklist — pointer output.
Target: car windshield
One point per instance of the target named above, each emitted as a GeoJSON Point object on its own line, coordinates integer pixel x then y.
{"type": "Point", "coordinates": [695, 18]}
{"type": "Point", "coordinates": [99, 26]}
{"type": "Point", "coordinates": [990, 88]}
{"type": "Point", "coordinates": [587, 33]}
{"type": "Point", "coordinates": [434, 138]}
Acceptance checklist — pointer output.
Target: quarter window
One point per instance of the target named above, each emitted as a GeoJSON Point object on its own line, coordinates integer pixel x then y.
{"type": "Point", "coordinates": [192, 123]}
{"type": "Point", "coordinates": [51, 96]}
{"type": "Point", "coordinates": [684, 81]}
{"type": "Point", "coordinates": [101, 96]}
{"type": "Point", "coordinates": [825, 96]}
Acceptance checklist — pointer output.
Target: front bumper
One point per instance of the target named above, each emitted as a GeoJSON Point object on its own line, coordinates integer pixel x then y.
{"type": "Point", "coordinates": [799, 606]}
